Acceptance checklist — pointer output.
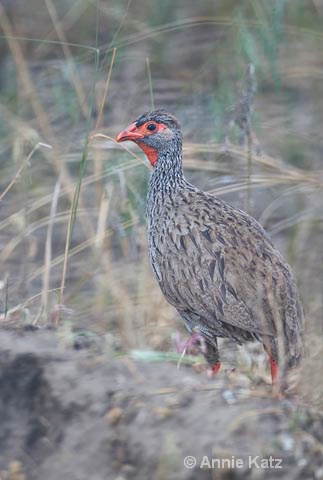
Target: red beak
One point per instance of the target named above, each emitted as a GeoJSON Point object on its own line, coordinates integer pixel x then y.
{"type": "Point", "coordinates": [130, 133]}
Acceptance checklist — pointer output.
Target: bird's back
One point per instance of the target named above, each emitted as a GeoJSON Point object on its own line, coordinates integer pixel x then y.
{"type": "Point", "coordinates": [218, 267]}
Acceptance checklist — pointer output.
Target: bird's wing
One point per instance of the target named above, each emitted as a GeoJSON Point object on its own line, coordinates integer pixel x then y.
{"type": "Point", "coordinates": [223, 266]}
{"type": "Point", "coordinates": [196, 277]}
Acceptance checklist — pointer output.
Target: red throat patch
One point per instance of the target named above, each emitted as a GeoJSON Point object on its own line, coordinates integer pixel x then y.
{"type": "Point", "coordinates": [150, 152]}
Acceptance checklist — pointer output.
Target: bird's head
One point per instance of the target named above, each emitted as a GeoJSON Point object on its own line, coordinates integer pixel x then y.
{"type": "Point", "coordinates": [154, 132]}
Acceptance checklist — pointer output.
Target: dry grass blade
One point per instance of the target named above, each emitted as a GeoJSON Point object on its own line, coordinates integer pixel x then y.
{"type": "Point", "coordinates": [77, 191]}
{"type": "Point", "coordinates": [24, 164]}
{"type": "Point", "coordinates": [106, 89]}
{"type": "Point", "coordinates": [48, 248]}
{"type": "Point", "coordinates": [152, 102]}
{"type": "Point", "coordinates": [26, 82]}
{"type": "Point", "coordinates": [78, 249]}
{"type": "Point", "coordinates": [88, 181]}
{"type": "Point", "coordinates": [7, 251]}
{"type": "Point", "coordinates": [28, 88]}
{"type": "Point", "coordinates": [194, 22]}
{"type": "Point", "coordinates": [69, 57]}
{"type": "Point", "coordinates": [115, 36]}
{"type": "Point", "coordinates": [134, 155]}
{"type": "Point", "coordinates": [102, 220]}
{"type": "Point", "coordinates": [68, 20]}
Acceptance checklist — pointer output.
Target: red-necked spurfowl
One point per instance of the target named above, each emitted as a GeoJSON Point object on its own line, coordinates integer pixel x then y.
{"type": "Point", "coordinates": [214, 263]}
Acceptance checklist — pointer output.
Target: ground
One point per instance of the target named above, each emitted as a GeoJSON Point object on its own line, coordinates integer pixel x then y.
{"type": "Point", "coordinates": [83, 413]}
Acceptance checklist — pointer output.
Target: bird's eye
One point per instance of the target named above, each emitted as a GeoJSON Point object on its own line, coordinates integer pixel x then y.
{"type": "Point", "coordinates": [151, 127]}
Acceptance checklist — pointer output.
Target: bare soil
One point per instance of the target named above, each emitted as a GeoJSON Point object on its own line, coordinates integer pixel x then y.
{"type": "Point", "coordinates": [83, 413]}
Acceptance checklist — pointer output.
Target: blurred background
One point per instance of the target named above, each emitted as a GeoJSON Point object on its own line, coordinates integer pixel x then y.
{"type": "Point", "coordinates": [245, 81]}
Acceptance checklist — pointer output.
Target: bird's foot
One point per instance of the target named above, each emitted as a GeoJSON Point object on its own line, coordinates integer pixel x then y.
{"type": "Point", "coordinates": [194, 345]}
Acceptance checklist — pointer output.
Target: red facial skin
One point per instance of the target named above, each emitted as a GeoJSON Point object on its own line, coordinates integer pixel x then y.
{"type": "Point", "coordinates": [135, 134]}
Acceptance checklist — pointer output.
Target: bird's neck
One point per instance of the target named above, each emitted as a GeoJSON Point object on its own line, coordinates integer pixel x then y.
{"type": "Point", "coordinates": [167, 174]}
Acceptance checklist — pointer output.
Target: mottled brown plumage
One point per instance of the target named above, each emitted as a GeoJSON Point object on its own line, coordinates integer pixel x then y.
{"type": "Point", "coordinates": [214, 263]}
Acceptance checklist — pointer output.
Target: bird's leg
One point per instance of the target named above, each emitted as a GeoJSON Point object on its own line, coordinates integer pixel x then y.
{"type": "Point", "coordinates": [277, 379]}
{"type": "Point", "coordinates": [216, 367]}
{"type": "Point", "coordinates": [213, 358]}
{"type": "Point", "coordinates": [274, 370]}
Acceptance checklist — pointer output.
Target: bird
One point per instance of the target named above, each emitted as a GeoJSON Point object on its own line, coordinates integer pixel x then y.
{"type": "Point", "coordinates": [213, 262]}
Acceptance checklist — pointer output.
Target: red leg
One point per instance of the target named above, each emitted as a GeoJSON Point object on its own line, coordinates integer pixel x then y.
{"type": "Point", "coordinates": [273, 369]}
{"type": "Point", "coordinates": [216, 367]}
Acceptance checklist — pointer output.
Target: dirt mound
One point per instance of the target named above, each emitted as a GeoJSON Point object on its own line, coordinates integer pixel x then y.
{"type": "Point", "coordinates": [83, 415]}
